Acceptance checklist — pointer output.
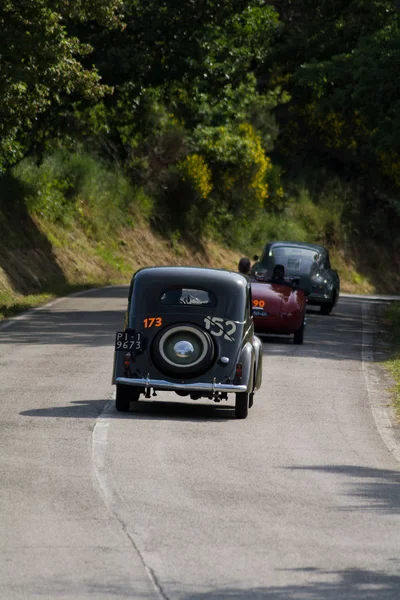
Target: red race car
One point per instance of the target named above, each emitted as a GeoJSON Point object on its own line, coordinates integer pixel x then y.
{"type": "Point", "coordinates": [279, 309]}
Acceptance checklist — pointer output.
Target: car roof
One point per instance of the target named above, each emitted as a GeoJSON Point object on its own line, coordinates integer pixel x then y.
{"type": "Point", "coordinates": [218, 280]}
{"type": "Point", "coordinates": [231, 288]}
{"type": "Point", "coordinates": [290, 244]}
{"type": "Point", "coordinates": [176, 275]}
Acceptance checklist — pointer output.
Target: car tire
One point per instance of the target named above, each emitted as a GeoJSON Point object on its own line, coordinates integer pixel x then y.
{"type": "Point", "coordinates": [326, 309]}
{"type": "Point", "coordinates": [125, 394]}
{"type": "Point", "coordinates": [298, 337]}
{"type": "Point", "coordinates": [251, 399]}
{"type": "Point", "coordinates": [198, 339]}
{"type": "Point", "coordinates": [251, 395]}
{"type": "Point", "coordinates": [242, 405]}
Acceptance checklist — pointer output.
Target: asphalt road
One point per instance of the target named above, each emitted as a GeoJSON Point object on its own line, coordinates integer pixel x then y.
{"type": "Point", "coordinates": [300, 501]}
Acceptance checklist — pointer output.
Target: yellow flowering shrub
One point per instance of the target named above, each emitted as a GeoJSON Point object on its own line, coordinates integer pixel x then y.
{"type": "Point", "coordinates": [194, 169]}
{"type": "Point", "coordinates": [238, 160]}
{"type": "Point", "coordinates": [256, 165]}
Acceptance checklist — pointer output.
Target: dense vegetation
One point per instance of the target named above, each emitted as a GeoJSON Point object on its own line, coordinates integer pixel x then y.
{"type": "Point", "coordinates": [235, 120]}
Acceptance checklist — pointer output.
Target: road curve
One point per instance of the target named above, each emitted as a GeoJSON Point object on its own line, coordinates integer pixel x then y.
{"type": "Point", "coordinates": [182, 501]}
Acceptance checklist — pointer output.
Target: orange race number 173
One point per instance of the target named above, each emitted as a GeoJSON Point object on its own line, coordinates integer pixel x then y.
{"type": "Point", "coordinates": [152, 322]}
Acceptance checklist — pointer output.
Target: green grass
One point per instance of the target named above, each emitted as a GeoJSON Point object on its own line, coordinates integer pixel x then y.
{"type": "Point", "coordinates": [392, 317]}
{"type": "Point", "coordinates": [11, 306]}
{"type": "Point", "coordinates": [75, 187]}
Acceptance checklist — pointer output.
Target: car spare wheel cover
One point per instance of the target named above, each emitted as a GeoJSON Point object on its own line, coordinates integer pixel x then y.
{"type": "Point", "coordinates": [183, 350]}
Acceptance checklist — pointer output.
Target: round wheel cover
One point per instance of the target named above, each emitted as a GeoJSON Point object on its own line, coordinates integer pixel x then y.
{"type": "Point", "coordinates": [183, 350]}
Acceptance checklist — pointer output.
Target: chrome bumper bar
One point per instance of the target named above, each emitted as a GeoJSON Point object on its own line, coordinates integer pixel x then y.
{"type": "Point", "coordinates": [188, 387]}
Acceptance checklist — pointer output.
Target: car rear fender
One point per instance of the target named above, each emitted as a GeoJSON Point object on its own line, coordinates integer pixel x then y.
{"type": "Point", "coordinates": [258, 348]}
{"type": "Point", "coordinates": [267, 297]}
{"type": "Point", "coordinates": [247, 358]}
{"type": "Point", "coordinates": [117, 365]}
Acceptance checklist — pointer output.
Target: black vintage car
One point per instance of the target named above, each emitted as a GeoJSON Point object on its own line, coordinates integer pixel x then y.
{"type": "Point", "coordinates": [188, 330]}
{"type": "Point", "coordinates": [308, 264]}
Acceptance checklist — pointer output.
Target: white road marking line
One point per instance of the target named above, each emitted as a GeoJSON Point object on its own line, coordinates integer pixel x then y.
{"type": "Point", "coordinates": [99, 450]}
{"type": "Point", "coordinates": [113, 501]}
{"type": "Point", "coordinates": [379, 399]}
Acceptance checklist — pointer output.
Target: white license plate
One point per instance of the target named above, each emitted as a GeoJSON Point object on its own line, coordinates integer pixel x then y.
{"type": "Point", "coordinates": [128, 340]}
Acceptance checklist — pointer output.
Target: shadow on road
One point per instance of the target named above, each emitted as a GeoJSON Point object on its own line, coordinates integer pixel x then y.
{"type": "Point", "coordinates": [336, 337]}
{"type": "Point", "coordinates": [143, 410]}
{"type": "Point", "coordinates": [162, 410]}
{"type": "Point", "coordinates": [378, 490]}
{"type": "Point", "coordinates": [53, 325]}
{"type": "Point", "coordinates": [84, 328]}
{"type": "Point", "coordinates": [348, 584]}
{"type": "Point", "coordinates": [339, 336]}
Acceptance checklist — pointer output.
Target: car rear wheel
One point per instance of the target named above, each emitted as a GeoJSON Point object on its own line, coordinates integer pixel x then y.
{"type": "Point", "coordinates": [326, 308]}
{"type": "Point", "coordinates": [125, 394]}
{"type": "Point", "coordinates": [251, 399]}
{"type": "Point", "coordinates": [242, 405]}
{"type": "Point", "coordinates": [251, 395]}
{"type": "Point", "coordinates": [299, 335]}
{"type": "Point", "coordinates": [183, 350]}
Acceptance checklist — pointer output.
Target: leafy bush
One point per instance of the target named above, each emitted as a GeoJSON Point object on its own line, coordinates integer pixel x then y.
{"type": "Point", "coordinates": [238, 162]}
{"type": "Point", "coordinates": [195, 170]}
{"type": "Point", "coordinates": [48, 187]}
{"type": "Point", "coordinates": [252, 234]}
{"type": "Point", "coordinates": [305, 214]}
{"type": "Point", "coordinates": [78, 186]}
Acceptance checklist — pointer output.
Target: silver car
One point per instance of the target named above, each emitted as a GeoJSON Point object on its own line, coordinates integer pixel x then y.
{"type": "Point", "coordinates": [308, 264]}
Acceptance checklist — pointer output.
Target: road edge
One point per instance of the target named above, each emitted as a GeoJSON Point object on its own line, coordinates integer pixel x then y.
{"type": "Point", "coordinates": [378, 383]}
{"type": "Point", "coordinates": [5, 323]}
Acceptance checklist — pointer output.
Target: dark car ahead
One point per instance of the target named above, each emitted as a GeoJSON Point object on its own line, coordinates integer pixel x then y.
{"type": "Point", "coordinates": [308, 264]}
{"type": "Point", "coordinates": [188, 330]}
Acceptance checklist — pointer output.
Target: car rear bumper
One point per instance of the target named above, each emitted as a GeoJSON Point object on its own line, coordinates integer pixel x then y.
{"type": "Point", "coordinates": [161, 384]}
{"type": "Point", "coordinates": [314, 299]}
{"type": "Point", "coordinates": [277, 324]}
{"type": "Point", "coordinates": [278, 328]}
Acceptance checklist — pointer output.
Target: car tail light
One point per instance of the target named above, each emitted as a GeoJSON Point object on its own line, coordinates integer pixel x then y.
{"type": "Point", "coordinates": [239, 371]}
{"type": "Point", "coordinates": [127, 360]}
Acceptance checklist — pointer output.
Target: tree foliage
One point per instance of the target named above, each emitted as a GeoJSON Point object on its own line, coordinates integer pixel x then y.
{"type": "Point", "coordinates": [342, 81]}
{"type": "Point", "coordinates": [194, 93]}
{"type": "Point", "coordinates": [41, 67]}
{"type": "Point", "coordinates": [198, 43]}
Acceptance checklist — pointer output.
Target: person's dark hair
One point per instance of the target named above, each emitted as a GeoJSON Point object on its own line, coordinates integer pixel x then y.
{"type": "Point", "coordinates": [244, 266]}
{"type": "Point", "coordinates": [279, 268]}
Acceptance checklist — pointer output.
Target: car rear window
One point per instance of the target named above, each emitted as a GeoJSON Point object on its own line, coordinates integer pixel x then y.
{"type": "Point", "coordinates": [294, 260]}
{"type": "Point", "coordinates": [188, 297]}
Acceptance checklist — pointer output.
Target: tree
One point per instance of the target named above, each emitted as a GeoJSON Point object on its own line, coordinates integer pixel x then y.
{"type": "Point", "coordinates": [201, 42]}
{"type": "Point", "coordinates": [338, 60]}
{"type": "Point", "coordinates": [41, 68]}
